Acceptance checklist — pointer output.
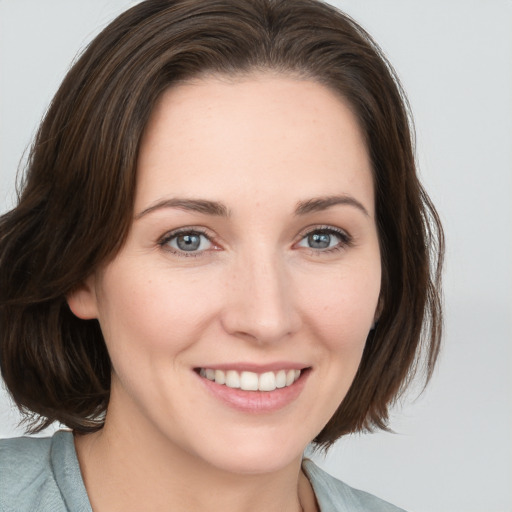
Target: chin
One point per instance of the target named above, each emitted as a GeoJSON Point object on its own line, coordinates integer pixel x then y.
{"type": "Point", "coordinates": [250, 454]}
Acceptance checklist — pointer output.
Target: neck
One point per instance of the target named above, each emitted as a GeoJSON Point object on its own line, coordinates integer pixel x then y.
{"type": "Point", "coordinates": [126, 469]}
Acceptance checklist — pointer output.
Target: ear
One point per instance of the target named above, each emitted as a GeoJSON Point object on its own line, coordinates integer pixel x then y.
{"type": "Point", "coordinates": [82, 300]}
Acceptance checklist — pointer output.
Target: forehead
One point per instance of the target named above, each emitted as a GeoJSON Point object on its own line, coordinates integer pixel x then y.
{"type": "Point", "coordinates": [265, 136]}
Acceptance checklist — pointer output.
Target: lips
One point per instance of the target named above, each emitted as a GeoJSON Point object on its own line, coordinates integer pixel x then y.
{"type": "Point", "coordinates": [255, 389]}
{"type": "Point", "coordinates": [252, 381]}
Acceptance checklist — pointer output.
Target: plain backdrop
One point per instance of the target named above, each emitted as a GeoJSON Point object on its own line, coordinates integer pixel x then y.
{"type": "Point", "coordinates": [452, 446]}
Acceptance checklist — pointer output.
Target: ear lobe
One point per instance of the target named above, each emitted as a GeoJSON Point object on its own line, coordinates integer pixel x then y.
{"type": "Point", "coordinates": [82, 300]}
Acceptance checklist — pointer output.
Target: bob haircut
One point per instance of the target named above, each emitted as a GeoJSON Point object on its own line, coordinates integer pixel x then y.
{"type": "Point", "coordinates": [75, 207]}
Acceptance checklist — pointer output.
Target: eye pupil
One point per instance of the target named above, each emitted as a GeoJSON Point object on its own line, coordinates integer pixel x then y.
{"type": "Point", "coordinates": [188, 242]}
{"type": "Point", "coordinates": [319, 240]}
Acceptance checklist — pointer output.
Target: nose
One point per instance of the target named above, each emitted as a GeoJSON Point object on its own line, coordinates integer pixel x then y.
{"type": "Point", "coordinates": [260, 301]}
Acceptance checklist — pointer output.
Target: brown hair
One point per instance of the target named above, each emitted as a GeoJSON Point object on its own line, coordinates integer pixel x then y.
{"type": "Point", "coordinates": [75, 208]}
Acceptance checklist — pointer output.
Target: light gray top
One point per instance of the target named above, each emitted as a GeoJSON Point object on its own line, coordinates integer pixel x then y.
{"type": "Point", "coordinates": [43, 475]}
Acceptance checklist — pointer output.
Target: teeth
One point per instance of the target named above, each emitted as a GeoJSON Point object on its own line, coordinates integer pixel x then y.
{"type": "Point", "coordinates": [281, 379]}
{"type": "Point", "coordinates": [251, 381]}
{"type": "Point", "coordinates": [267, 381]}
{"type": "Point", "coordinates": [220, 377]}
{"type": "Point", "coordinates": [232, 379]}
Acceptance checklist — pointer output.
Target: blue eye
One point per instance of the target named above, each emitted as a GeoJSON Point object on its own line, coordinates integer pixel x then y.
{"type": "Point", "coordinates": [324, 239]}
{"type": "Point", "coordinates": [187, 242]}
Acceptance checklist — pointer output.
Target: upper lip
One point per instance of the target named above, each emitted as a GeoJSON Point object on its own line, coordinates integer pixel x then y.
{"type": "Point", "coordinates": [257, 368]}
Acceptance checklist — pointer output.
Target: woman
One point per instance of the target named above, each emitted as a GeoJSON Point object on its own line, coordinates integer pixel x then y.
{"type": "Point", "coordinates": [221, 253]}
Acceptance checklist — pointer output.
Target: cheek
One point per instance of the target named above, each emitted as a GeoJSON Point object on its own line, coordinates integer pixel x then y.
{"type": "Point", "coordinates": [148, 314]}
{"type": "Point", "coordinates": [342, 305]}
{"type": "Point", "coordinates": [339, 313]}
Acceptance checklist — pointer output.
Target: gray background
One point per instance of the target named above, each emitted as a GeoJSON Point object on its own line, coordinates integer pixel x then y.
{"type": "Point", "coordinates": [452, 446]}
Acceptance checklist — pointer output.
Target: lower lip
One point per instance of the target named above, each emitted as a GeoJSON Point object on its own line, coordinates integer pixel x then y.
{"type": "Point", "coordinates": [257, 401]}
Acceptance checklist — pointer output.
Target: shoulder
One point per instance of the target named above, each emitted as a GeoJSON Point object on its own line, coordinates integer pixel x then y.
{"type": "Point", "coordinates": [27, 480]}
{"type": "Point", "coordinates": [24, 471]}
{"type": "Point", "coordinates": [333, 495]}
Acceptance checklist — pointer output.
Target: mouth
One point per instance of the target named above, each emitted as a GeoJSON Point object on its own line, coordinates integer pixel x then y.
{"type": "Point", "coordinates": [255, 390]}
{"type": "Point", "coordinates": [252, 381]}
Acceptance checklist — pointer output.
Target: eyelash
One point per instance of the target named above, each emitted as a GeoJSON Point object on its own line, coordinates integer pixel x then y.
{"type": "Point", "coordinates": [184, 231]}
{"type": "Point", "coordinates": [345, 240]}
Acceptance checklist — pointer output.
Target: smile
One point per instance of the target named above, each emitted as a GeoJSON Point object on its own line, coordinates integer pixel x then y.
{"type": "Point", "coordinates": [251, 381]}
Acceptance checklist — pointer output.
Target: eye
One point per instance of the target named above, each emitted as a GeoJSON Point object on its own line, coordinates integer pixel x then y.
{"type": "Point", "coordinates": [183, 242]}
{"type": "Point", "coordinates": [325, 239]}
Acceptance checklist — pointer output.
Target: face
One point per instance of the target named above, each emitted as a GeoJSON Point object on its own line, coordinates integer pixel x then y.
{"type": "Point", "coordinates": [236, 313]}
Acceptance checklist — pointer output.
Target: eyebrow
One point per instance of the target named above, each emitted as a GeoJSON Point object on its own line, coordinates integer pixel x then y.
{"type": "Point", "coordinates": [195, 205]}
{"type": "Point", "coordinates": [219, 209]}
{"type": "Point", "coordinates": [323, 203]}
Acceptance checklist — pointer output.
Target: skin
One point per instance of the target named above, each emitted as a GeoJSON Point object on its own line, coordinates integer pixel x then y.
{"type": "Point", "coordinates": [254, 292]}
